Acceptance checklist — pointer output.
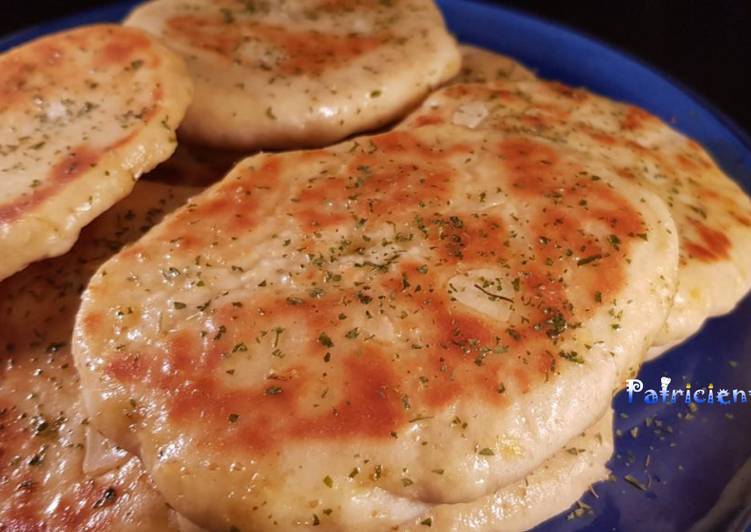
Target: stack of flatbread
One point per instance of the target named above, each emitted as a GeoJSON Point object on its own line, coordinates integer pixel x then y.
{"type": "Point", "coordinates": [413, 318]}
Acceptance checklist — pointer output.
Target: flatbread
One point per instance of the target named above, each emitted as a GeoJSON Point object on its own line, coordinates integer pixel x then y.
{"type": "Point", "coordinates": [480, 65]}
{"type": "Point", "coordinates": [301, 73]}
{"type": "Point", "coordinates": [712, 213]}
{"type": "Point", "coordinates": [549, 490]}
{"type": "Point", "coordinates": [45, 439]}
{"type": "Point", "coordinates": [324, 330]}
{"type": "Point", "coordinates": [82, 115]}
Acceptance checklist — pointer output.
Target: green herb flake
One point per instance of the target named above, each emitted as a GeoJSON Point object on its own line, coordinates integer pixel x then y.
{"type": "Point", "coordinates": [635, 482]}
{"type": "Point", "coordinates": [325, 341]}
{"type": "Point", "coordinates": [228, 16]}
{"type": "Point", "coordinates": [588, 260]}
{"type": "Point", "coordinates": [571, 356]}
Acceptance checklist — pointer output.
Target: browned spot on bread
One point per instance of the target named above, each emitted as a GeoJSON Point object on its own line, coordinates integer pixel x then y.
{"type": "Point", "coordinates": [742, 218]}
{"type": "Point", "coordinates": [368, 405]}
{"type": "Point", "coordinates": [377, 185]}
{"type": "Point", "coordinates": [78, 161]}
{"type": "Point", "coordinates": [304, 52]}
{"type": "Point", "coordinates": [599, 135]}
{"type": "Point", "coordinates": [122, 52]}
{"type": "Point", "coordinates": [538, 171]}
{"type": "Point", "coordinates": [428, 119]}
{"type": "Point", "coordinates": [714, 245]}
{"type": "Point", "coordinates": [635, 118]}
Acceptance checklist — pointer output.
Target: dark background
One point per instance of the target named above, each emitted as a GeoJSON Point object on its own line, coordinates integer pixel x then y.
{"type": "Point", "coordinates": [705, 45]}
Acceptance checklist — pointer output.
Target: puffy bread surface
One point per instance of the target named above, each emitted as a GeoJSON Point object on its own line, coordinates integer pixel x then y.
{"type": "Point", "coordinates": [480, 65]}
{"type": "Point", "coordinates": [324, 330]}
{"type": "Point", "coordinates": [711, 212]}
{"type": "Point", "coordinates": [545, 492]}
{"type": "Point", "coordinates": [549, 490]}
{"type": "Point", "coordinates": [82, 115]}
{"type": "Point", "coordinates": [45, 440]}
{"type": "Point", "coordinates": [301, 72]}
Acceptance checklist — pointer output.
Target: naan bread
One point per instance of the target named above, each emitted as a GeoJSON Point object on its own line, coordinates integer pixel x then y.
{"type": "Point", "coordinates": [301, 72]}
{"type": "Point", "coordinates": [82, 115]}
{"type": "Point", "coordinates": [316, 336]}
{"type": "Point", "coordinates": [45, 438]}
{"type": "Point", "coordinates": [480, 65]}
{"type": "Point", "coordinates": [549, 490]}
{"type": "Point", "coordinates": [712, 213]}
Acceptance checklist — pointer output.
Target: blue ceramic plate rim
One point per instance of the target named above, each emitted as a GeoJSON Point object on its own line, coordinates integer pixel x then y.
{"type": "Point", "coordinates": [479, 9]}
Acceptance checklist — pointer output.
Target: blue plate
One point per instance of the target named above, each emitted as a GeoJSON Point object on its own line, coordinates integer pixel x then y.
{"type": "Point", "coordinates": [688, 468]}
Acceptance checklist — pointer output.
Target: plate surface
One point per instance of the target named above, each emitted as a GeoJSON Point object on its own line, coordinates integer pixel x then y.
{"type": "Point", "coordinates": [688, 469]}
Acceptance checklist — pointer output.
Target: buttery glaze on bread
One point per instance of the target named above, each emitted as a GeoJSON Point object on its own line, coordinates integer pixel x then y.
{"type": "Point", "coordinates": [548, 490]}
{"type": "Point", "coordinates": [55, 473]}
{"type": "Point", "coordinates": [301, 73]}
{"type": "Point", "coordinates": [82, 115]}
{"type": "Point", "coordinates": [711, 212]}
{"type": "Point", "coordinates": [316, 335]}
